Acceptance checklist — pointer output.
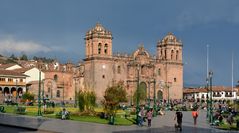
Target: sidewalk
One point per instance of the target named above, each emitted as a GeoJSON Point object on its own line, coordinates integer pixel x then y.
{"type": "Point", "coordinates": [160, 124]}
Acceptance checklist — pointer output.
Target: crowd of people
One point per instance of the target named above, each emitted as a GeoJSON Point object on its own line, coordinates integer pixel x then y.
{"type": "Point", "coordinates": [222, 112]}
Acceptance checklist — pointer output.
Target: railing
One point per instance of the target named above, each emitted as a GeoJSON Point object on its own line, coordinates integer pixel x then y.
{"type": "Point", "coordinates": [13, 83]}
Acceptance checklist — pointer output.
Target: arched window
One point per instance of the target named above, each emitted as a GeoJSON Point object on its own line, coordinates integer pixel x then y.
{"type": "Point", "coordinates": [165, 54]}
{"type": "Point", "coordinates": [106, 48]}
{"type": "Point", "coordinates": [118, 69]}
{"type": "Point", "coordinates": [177, 55]}
{"type": "Point", "coordinates": [172, 53]}
{"type": "Point", "coordinates": [159, 71]}
{"type": "Point", "coordinates": [58, 93]}
{"type": "Point", "coordinates": [49, 90]}
{"type": "Point", "coordinates": [99, 48]}
{"type": "Point", "coordinates": [55, 77]}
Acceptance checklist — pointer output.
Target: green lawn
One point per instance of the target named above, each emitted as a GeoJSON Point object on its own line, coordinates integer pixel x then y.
{"type": "Point", "coordinates": [226, 126]}
{"type": "Point", "coordinates": [32, 111]}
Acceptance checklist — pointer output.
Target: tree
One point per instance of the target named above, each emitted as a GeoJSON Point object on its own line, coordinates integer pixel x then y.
{"type": "Point", "coordinates": [141, 94]}
{"type": "Point", "coordinates": [86, 100]}
{"type": "Point", "coordinates": [24, 57]}
{"type": "Point", "coordinates": [28, 96]}
{"type": "Point", "coordinates": [114, 95]}
{"type": "Point", "coordinates": [13, 57]}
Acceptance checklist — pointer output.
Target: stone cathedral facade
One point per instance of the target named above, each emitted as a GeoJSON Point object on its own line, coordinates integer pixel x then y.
{"type": "Point", "coordinates": [102, 68]}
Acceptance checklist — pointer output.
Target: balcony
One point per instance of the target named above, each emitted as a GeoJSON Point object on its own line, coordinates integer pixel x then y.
{"type": "Point", "coordinates": [12, 83]}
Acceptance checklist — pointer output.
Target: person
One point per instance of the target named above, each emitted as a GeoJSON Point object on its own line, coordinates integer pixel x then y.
{"type": "Point", "coordinates": [64, 113]}
{"type": "Point", "coordinates": [141, 117]}
{"type": "Point", "coordinates": [179, 116]}
{"type": "Point", "coordinates": [149, 116]}
{"type": "Point", "coordinates": [161, 112]}
{"type": "Point", "coordinates": [230, 119]}
{"type": "Point", "coordinates": [195, 116]}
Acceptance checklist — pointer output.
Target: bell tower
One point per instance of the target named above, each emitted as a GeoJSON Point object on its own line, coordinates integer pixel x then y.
{"type": "Point", "coordinates": [98, 42]}
{"type": "Point", "coordinates": [169, 54]}
{"type": "Point", "coordinates": [170, 49]}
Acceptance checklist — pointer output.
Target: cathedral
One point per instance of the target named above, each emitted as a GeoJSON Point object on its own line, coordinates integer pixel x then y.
{"type": "Point", "coordinates": [160, 76]}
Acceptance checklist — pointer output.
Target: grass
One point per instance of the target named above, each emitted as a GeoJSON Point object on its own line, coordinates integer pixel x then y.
{"type": "Point", "coordinates": [32, 111]}
{"type": "Point", "coordinates": [228, 127]}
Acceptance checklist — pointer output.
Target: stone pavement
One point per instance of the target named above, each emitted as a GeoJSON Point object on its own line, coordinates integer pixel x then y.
{"type": "Point", "coordinates": [160, 124]}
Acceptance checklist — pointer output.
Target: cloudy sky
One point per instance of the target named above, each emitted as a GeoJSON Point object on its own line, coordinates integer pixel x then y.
{"type": "Point", "coordinates": [56, 28]}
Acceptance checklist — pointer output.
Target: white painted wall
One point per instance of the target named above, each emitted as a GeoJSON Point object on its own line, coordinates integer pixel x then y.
{"type": "Point", "coordinates": [33, 75]}
{"type": "Point", "coordinates": [223, 93]}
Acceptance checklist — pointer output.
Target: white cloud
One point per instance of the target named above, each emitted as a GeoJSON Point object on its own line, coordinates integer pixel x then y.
{"type": "Point", "coordinates": [11, 45]}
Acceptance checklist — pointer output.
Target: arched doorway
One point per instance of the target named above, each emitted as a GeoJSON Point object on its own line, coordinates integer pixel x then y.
{"type": "Point", "coordinates": [14, 92]}
{"type": "Point", "coordinates": [160, 95]}
{"type": "Point", "coordinates": [19, 92]}
{"type": "Point", "coordinates": [142, 91]}
{"type": "Point", "coordinates": [6, 91]}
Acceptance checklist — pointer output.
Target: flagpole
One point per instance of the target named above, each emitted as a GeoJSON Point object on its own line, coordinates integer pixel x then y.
{"type": "Point", "coordinates": [207, 80]}
{"type": "Point", "coordinates": [232, 75]}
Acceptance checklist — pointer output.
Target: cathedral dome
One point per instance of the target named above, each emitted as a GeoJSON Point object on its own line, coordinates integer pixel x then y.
{"type": "Point", "coordinates": [170, 39]}
{"type": "Point", "coordinates": [98, 29]}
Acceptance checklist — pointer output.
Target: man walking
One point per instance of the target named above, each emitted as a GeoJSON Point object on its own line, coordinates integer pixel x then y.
{"type": "Point", "coordinates": [179, 116]}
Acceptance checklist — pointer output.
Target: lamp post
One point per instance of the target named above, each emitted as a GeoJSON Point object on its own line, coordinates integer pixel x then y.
{"type": "Point", "coordinates": [63, 90]}
{"type": "Point", "coordinates": [75, 94]}
{"type": "Point", "coordinates": [207, 87]}
{"type": "Point", "coordinates": [43, 89]}
{"type": "Point", "coordinates": [137, 96]}
{"type": "Point", "coordinates": [210, 79]}
{"type": "Point", "coordinates": [168, 86]}
{"type": "Point", "coordinates": [16, 92]}
{"type": "Point", "coordinates": [149, 83]}
{"type": "Point", "coordinates": [155, 106]}
{"type": "Point", "coordinates": [39, 95]}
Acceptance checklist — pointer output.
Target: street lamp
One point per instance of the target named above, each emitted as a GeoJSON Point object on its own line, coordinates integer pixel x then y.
{"type": "Point", "coordinates": [63, 100]}
{"type": "Point", "coordinates": [43, 89]}
{"type": "Point", "coordinates": [39, 95]}
{"type": "Point", "coordinates": [75, 93]}
{"type": "Point", "coordinates": [168, 84]}
{"type": "Point", "coordinates": [210, 79]}
{"type": "Point", "coordinates": [149, 83]}
{"type": "Point", "coordinates": [155, 106]}
{"type": "Point", "coordinates": [207, 87]}
{"type": "Point", "coordinates": [137, 96]}
{"type": "Point", "coordinates": [16, 91]}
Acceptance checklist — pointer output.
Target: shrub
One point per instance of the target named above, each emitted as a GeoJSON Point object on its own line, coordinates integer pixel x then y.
{"type": "Point", "coordinates": [20, 110]}
{"type": "Point", "coordinates": [27, 96]}
{"type": "Point", "coordinates": [86, 100]}
{"type": "Point", "coordinates": [49, 111]}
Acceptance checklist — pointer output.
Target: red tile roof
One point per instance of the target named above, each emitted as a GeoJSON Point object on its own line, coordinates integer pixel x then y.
{"type": "Point", "coordinates": [22, 70]}
{"type": "Point", "coordinates": [214, 88]}
{"type": "Point", "coordinates": [11, 73]}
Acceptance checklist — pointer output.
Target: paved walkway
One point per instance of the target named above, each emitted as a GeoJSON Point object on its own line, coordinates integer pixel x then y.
{"type": "Point", "coordinates": [160, 124]}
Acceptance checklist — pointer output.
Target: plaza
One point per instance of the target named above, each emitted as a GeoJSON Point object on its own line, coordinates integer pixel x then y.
{"type": "Point", "coordinates": [160, 124]}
